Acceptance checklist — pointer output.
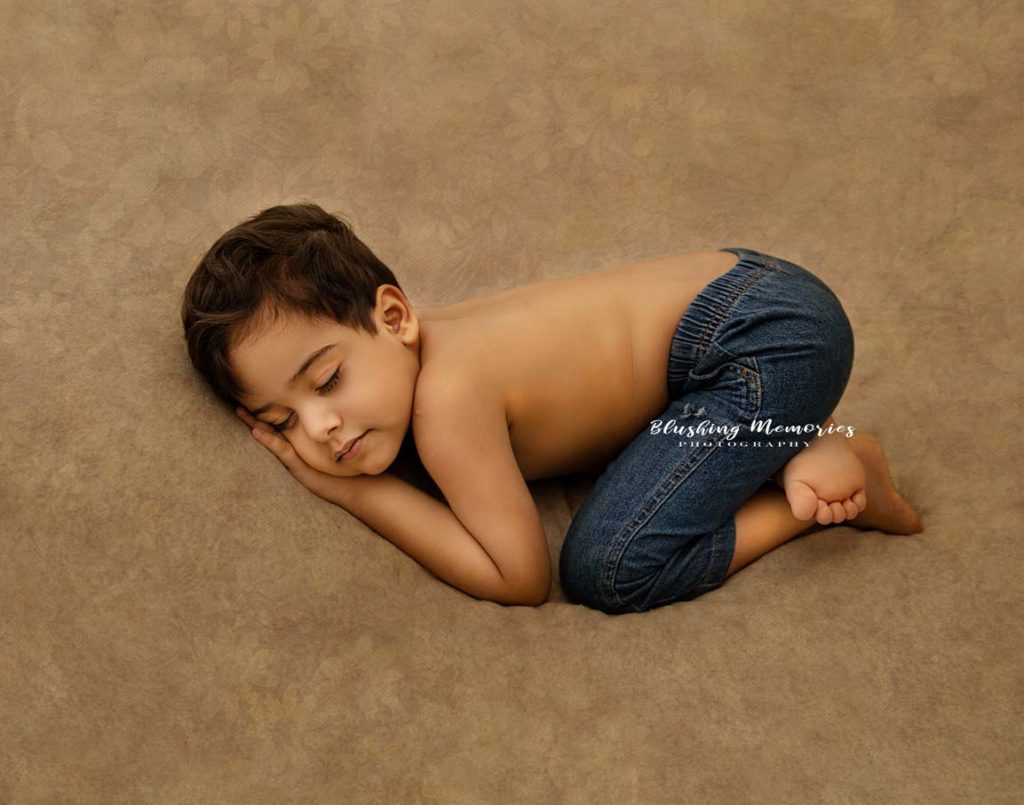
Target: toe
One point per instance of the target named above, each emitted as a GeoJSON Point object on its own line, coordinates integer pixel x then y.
{"type": "Point", "coordinates": [802, 500]}
{"type": "Point", "coordinates": [824, 516]}
{"type": "Point", "coordinates": [851, 509]}
{"type": "Point", "coordinates": [838, 513]}
{"type": "Point", "coordinates": [861, 499]}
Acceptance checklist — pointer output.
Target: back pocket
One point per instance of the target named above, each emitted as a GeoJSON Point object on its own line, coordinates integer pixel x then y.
{"type": "Point", "coordinates": [736, 380]}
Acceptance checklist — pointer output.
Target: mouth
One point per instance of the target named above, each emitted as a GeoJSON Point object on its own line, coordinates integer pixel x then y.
{"type": "Point", "coordinates": [351, 449]}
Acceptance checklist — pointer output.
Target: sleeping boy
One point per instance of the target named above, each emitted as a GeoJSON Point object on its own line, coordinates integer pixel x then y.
{"type": "Point", "coordinates": [308, 336]}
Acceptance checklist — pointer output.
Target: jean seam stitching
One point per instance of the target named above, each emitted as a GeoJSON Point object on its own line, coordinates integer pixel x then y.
{"type": "Point", "coordinates": [761, 265]}
{"type": "Point", "coordinates": [716, 551]}
{"type": "Point", "coordinates": [665, 490]}
{"type": "Point", "coordinates": [751, 409]}
{"type": "Point", "coordinates": [718, 316]}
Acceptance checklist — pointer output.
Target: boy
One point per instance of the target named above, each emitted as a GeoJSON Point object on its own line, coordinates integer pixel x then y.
{"type": "Point", "coordinates": [296, 324]}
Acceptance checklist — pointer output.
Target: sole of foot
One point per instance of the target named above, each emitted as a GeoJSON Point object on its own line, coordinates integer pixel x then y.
{"type": "Point", "coordinates": [887, 510]}
{"type": "Point", "coordinates": [825, 482]}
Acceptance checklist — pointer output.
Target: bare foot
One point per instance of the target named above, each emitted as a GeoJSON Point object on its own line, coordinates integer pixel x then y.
{"type": "Point", "coordinates": [826, 481]}
{"type": "Point", "coordinates": [886, 510]}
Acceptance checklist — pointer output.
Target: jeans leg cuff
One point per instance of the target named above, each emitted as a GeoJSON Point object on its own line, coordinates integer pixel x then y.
{"type": "Point", "coordinates": [723, 546]}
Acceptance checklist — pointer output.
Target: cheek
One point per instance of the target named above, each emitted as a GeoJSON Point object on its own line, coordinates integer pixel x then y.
{"type": "Point", "coordinates": [309, 452]}
{"type": "Point", "coordinates": [298, 446]}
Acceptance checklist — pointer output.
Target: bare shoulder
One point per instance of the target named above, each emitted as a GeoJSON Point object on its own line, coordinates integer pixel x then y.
{"type": "Point", "coordinates": [458, 369]}
{"type": "Point", "coordinates": [455, 384]}
{"type": "Point", "coordinates": [460, 426]}
{"type": "Point", "coordinates": [461, 430]}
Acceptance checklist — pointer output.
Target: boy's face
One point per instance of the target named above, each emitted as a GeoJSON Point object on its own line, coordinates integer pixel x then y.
{"type": "Point", "coordinates": [360, 385]}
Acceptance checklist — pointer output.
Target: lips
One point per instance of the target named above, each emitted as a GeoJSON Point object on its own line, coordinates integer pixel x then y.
{"type": "Point", "coordinates": [347, 447]}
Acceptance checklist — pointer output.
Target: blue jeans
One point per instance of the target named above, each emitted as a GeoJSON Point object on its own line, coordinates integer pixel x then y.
{"type": "Point", "coordinates": [767, 340]}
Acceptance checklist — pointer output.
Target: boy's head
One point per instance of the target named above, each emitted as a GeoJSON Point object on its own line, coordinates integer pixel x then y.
{"type": "Point", "coordinates": [276, 289]}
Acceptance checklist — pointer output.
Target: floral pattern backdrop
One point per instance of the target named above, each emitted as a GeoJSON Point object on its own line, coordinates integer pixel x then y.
{"type": "Point", "coordinates": [180, 622]}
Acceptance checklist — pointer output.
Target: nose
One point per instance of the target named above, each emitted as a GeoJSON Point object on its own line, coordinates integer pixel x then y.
{"type": "Point", "coordinates": [321, 423]}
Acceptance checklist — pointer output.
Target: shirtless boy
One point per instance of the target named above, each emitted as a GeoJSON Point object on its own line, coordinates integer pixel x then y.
{"type": "Point", "coordinates": [542, 380]}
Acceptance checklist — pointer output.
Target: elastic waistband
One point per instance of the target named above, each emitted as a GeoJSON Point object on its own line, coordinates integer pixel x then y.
{"type": "Point", "coordinates": [712, 306]}
{"type": "Point", "coordinates": [750, 255]}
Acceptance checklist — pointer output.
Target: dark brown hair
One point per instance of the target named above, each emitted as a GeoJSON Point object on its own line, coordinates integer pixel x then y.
{"type": "Point", "coordinates": [293, 259]}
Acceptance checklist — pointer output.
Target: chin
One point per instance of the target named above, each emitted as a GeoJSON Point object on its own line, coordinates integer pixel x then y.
{"type": "Point", "coordinates": [360, 471]}
{"type": "Point", "coordinates": [365, 470]}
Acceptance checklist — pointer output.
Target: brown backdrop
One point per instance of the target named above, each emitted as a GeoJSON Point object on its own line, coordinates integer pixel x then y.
{"type": "Point", "coordinates": [182, 622]}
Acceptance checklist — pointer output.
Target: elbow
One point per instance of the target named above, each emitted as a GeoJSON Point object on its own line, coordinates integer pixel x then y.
{"type": "Point", "coordinates": [529, 587]}
{"type": "Point", "coordinates": [533, 595]}
{"type": "Point", "coordinates": [533, 599]}
{"type": "Point", "coordinates": [521, 600]}
{"type": "Point", "coordinates": [538, 600]}
{"type": "Point", "coordinates": [543, 587]}
{"type": "Point", "coordinates": [514, 597]}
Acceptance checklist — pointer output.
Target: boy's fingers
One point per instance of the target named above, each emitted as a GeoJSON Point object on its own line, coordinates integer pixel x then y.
{"type": "Point", "coordinates": [279, 446]}
{"type": "Point", "coordinates": [285, 453]}
{"type": "Point", "coordinates": [270, 440]}
{"type": "Point", "coordinates": [256, 426]}
{"type": "Point", "coordinates": [293, 462]}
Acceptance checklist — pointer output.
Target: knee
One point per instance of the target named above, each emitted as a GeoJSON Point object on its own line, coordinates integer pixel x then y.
{"type": "Point", "coordinates": [651, 570]}
{"type": "Point", "coordinates": [583, 570]}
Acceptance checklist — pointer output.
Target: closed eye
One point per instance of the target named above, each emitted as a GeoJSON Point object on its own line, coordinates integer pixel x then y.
{"type": "Point", "coordinates": [326, 388]}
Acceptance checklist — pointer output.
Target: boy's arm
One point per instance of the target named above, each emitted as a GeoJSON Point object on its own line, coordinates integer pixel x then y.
{"type": "Point", "coordinates": [427, 530]}
{"type": "Point", "coordinates": [417, 523]}
{"type": "Point", "coordinates": [462, 437]}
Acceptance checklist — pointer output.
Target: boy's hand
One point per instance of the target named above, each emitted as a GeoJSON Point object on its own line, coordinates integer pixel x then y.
{"type": "Point", "coordinates": [319, 483]}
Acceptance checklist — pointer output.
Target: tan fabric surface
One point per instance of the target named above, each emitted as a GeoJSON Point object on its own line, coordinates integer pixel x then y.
{"type": "Point", "coordinates": [181, 622]}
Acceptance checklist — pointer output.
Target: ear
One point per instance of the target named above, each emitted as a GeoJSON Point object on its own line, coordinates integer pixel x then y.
{"type": "Point", "coordinates": [397, 314]}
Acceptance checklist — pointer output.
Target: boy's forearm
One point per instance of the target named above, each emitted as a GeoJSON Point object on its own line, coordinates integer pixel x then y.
{"type": "Point", "coordinates": [427, 530]}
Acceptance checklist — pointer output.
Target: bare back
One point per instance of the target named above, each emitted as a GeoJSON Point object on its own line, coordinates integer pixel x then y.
{"type": "Point", "coordinates": [580, 362]}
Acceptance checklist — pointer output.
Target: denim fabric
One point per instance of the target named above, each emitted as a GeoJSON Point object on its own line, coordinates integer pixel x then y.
{"type": "Point", "coordinates": [766, 340]}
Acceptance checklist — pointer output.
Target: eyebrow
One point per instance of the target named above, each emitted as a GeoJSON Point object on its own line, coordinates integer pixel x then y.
{"type": "Point", "coordinates": [305, 365]}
